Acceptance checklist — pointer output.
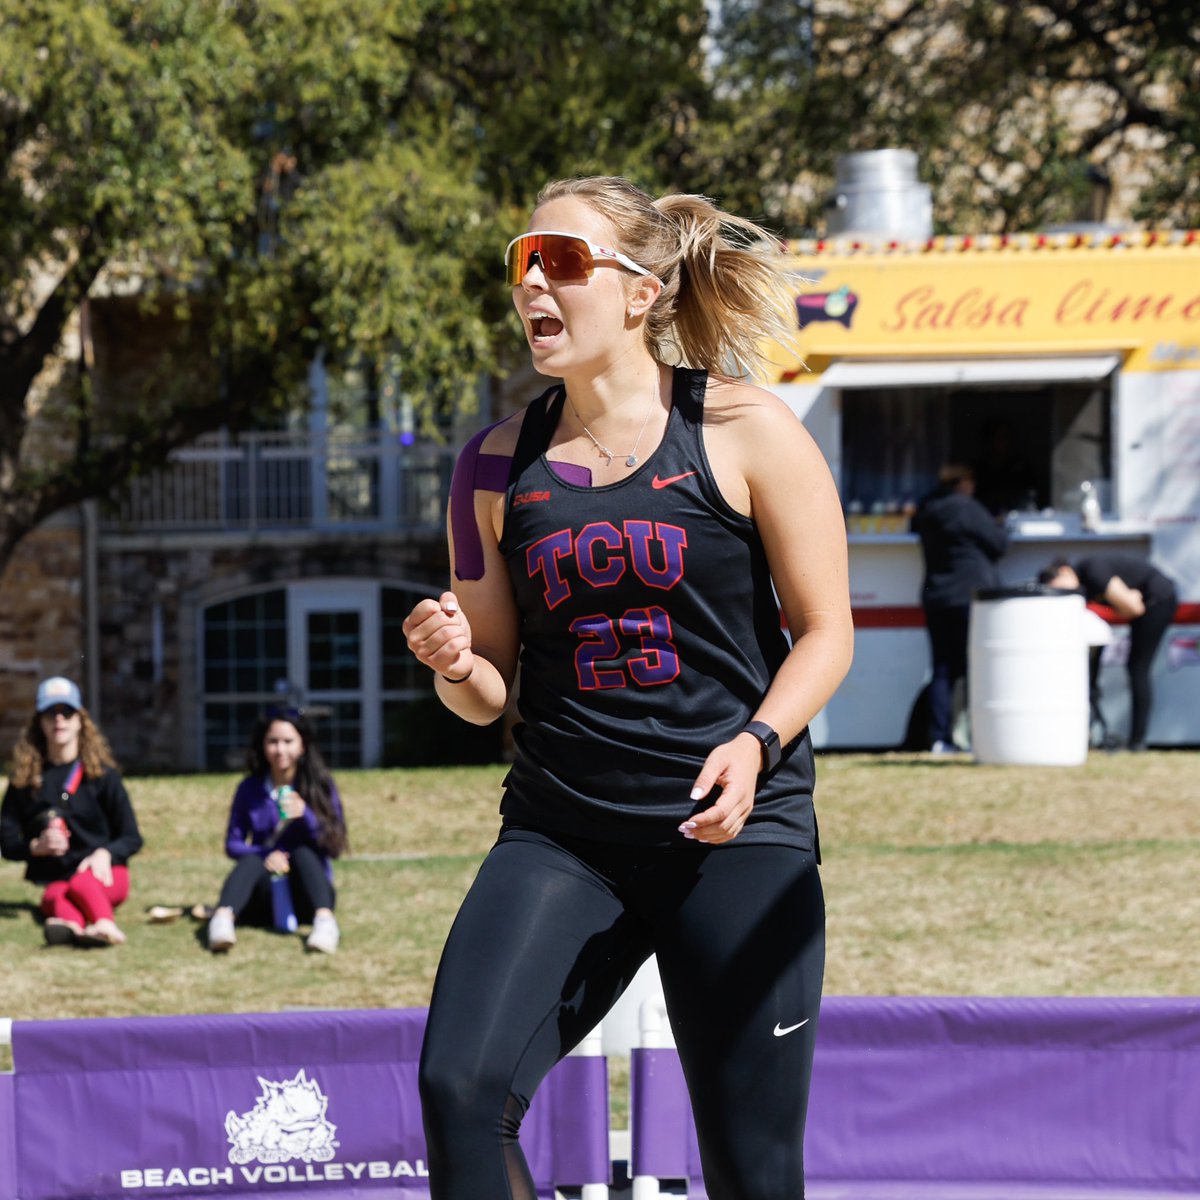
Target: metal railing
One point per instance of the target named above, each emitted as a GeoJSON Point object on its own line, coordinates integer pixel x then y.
{"type": "Point", "coordinates": [356, 481]}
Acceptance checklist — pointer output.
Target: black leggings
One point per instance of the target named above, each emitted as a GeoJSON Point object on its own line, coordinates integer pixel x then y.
{"type": "Point", "coordinates": [549, 936]}
{"type": "Point", "coordinates": [948, 630]}
{"type": "Point", "coordinates": [247, 888]}
{"type": "Point", "coordinates": [1145, 635]}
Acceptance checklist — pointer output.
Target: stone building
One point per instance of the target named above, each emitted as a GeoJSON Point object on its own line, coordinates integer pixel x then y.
{"type": "Point", "coordinates": [270, 569]}
{"type": "Point", "coordinates": [41, 618]}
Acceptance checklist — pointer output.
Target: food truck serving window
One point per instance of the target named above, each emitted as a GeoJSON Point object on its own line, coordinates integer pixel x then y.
{"type": "Point", "coordinates": [1031, 443]}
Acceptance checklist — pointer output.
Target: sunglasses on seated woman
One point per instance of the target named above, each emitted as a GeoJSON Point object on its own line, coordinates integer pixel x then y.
{"type": "Point", "coordinates": [561, 256]}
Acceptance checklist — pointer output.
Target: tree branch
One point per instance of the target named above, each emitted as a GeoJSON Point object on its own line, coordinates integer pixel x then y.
{"type": "Point", "coordinates": [22, 356]}
{"type": "Point", "coordinates": [91, 473]}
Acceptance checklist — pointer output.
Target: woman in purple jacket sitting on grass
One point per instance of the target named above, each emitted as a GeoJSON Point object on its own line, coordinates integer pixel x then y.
{"type": "Point", "coordinates": [285, 827]}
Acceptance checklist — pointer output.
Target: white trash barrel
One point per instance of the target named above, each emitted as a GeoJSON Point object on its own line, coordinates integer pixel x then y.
{"type": "Point", "coordinates": [1028, 676]}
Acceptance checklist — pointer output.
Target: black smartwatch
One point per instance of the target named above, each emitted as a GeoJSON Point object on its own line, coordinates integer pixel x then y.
{"type": "Point", "coordinates": [771, 750]}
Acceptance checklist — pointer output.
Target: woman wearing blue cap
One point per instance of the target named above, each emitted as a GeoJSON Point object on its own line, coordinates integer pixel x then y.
{"type": "Point", "coordinates": [66, 814]}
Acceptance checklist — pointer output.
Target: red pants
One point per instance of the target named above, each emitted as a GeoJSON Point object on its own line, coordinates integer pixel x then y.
{"type": "Point", "coordinates": [83, 898]}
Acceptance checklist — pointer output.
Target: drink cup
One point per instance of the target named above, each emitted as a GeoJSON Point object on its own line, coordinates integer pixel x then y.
{"type": "Point", "coordinates": [280, 794]}
{"type": "Point", "coordinates": [55, 820]}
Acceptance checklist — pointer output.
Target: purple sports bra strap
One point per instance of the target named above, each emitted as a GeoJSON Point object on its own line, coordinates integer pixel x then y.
{"type": "Point", "coordinates": [474, 470]}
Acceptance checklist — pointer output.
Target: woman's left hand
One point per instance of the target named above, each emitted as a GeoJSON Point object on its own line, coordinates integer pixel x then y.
{"type": "Point", "coordinates": [99, 862]}
{"type": "Point", "coordinates": [733, 767]}
{"type": "Point", "coordinates": [277, 862]}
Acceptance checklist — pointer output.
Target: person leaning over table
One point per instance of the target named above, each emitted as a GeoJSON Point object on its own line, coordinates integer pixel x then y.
{"type": "Point", "coordinates": [1137, 590]}
{"type": "Point", "coordinates": [67, 815]}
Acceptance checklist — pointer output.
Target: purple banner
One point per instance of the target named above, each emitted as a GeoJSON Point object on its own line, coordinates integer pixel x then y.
{"type": "Point", "coordinates": [566, 1130]}
{"type": "Point", "coordinates": [659, 1110]}
{"type": "Point", "coordinates": [1093, 1091]}
{"type": "Point", "coordinates": [8, 1139]}
{"type": "Point", "coordinates": [936, 1096]}
{"type": "Point", "coordinates": [318, 1103]}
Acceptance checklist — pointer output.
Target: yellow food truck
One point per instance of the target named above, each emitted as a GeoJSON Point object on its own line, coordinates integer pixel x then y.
{"type": "Point", "coordinates": [1056, 365]}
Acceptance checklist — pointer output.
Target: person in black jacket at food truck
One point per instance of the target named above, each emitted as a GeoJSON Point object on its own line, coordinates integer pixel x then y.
{"type": "Point", "coordinates": [960, 543]}
{"type": "Point", "coordinates": [1133, 589]}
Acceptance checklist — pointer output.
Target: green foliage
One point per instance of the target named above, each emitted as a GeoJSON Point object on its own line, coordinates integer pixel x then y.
{"type": "Point", "coordinates": [1007, 104]}
{"type": "Point", "coordinates": [293, 175]}
{"type": "Point", "coordinates": [116, 134]}
{"type": "Point", "coordinates": [531, 93]}
{"type": "Point", "coordinates": [162, 142]}
{"type": "Point", "coordinates": [571, 87]}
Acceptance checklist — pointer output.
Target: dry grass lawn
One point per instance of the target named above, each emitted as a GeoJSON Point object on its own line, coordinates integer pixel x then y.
{"type": "Point", "coordinates": [941, 877]}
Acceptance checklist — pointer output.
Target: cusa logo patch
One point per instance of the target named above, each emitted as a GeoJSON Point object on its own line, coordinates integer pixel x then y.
{"type": "Point", "coordinates": [530, 498]}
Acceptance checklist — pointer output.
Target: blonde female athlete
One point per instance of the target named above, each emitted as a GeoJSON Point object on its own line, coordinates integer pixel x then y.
{"type": "Point", "coordinates": [629, 540]}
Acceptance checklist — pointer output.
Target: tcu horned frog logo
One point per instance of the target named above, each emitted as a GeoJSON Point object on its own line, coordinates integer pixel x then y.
{"type": "Point", "coordinates": [287, 1122]}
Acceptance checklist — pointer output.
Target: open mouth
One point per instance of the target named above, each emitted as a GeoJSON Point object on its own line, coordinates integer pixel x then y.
{"type": "Point", "coordinates": [544, 327]}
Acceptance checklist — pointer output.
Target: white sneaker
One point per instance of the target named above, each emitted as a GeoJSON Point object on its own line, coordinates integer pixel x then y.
{"type": "Point", "coordinates": [325, 934]}
{"type": "Point", "coordinates": [220, 932]}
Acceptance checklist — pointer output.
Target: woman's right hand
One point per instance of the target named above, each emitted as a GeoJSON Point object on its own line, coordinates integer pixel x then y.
{"type": "Point", "coordinates": [52, 842]}
{"type": "Point", "coordinates": [439, 635]}
{"type": "Point", "coordinates": [292, 805]}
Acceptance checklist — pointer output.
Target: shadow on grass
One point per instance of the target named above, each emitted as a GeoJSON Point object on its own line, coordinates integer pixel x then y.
{"type": "Point", "coordinates": [938, 761]}
{"type": "Point", "coordinates": [11, 910]}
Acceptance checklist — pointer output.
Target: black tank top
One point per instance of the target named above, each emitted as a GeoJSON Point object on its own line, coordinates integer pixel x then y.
{"type": "Point", "coordinates": [649, 631]}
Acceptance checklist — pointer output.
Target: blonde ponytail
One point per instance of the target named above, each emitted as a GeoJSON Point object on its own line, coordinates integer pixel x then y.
{"type": "Point", "coordinates": [725, 293]}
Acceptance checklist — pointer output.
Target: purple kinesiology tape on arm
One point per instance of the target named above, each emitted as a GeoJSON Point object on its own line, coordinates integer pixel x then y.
{"type": "Point", "coordinates": [476, 471]}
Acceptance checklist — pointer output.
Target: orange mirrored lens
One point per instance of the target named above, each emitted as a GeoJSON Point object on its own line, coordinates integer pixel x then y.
{"type": "Point", "coordinates": [560, 257]}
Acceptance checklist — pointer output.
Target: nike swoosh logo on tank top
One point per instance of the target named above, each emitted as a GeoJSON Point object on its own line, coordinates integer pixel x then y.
{"type": "Point", "coordinates": [658, 483]}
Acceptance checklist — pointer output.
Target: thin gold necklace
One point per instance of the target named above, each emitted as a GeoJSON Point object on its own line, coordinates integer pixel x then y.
{"type": "Point", "coordinates": [631, 459]}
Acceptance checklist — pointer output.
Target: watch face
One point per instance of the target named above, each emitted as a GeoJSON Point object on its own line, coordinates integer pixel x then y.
{"type": "Point", "coordinates": [771, 752]}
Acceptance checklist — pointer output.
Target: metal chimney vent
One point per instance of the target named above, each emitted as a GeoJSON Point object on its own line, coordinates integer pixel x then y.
{"type": "Point", "coordinates": [877, 194]}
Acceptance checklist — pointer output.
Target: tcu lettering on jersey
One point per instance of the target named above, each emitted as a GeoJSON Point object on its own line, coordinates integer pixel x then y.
{"type": "Point", "coordinates": [600, 553]}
